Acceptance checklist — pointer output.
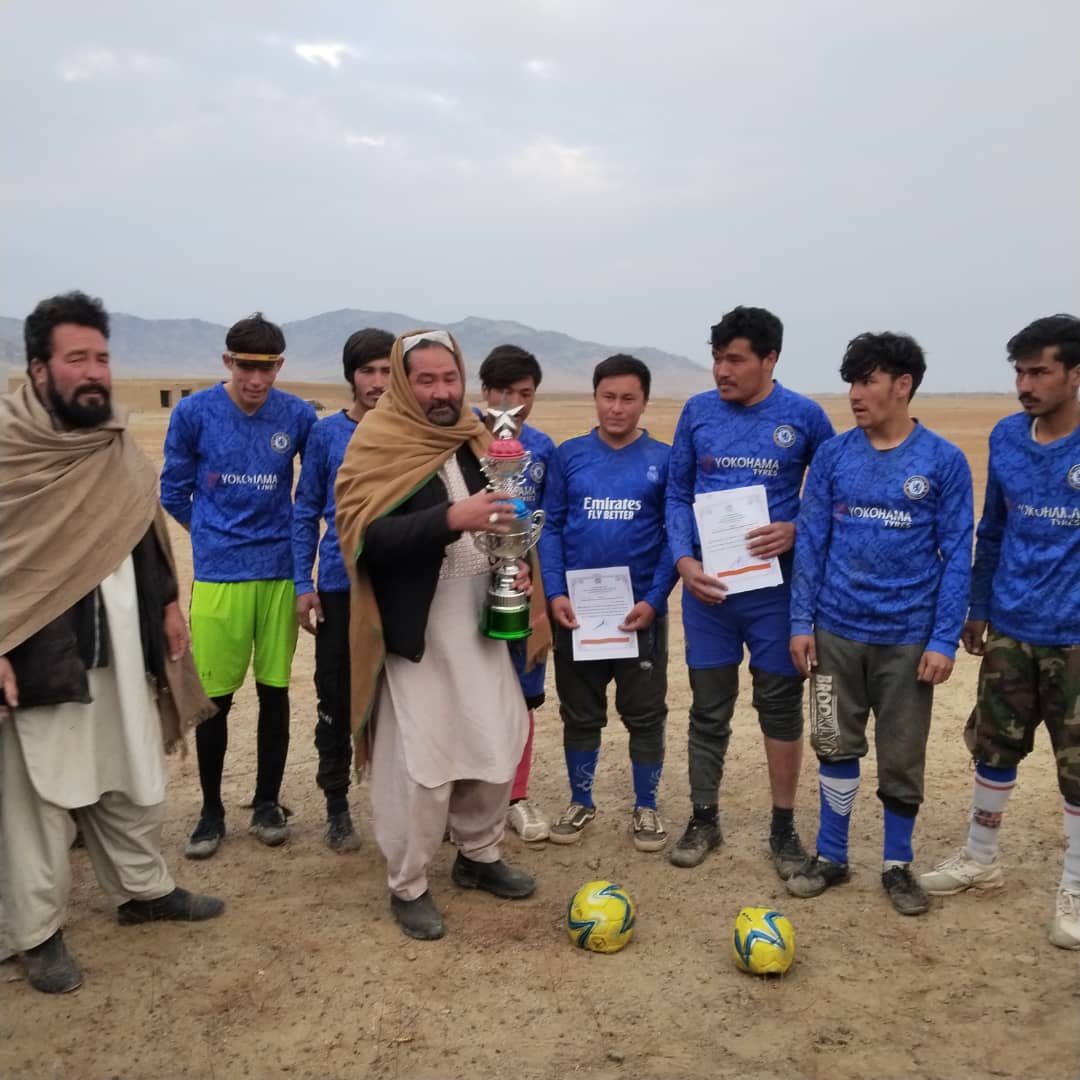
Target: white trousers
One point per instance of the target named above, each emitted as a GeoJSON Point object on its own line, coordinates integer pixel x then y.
{"type": "Point", "coordinates": [410, 820]}
{"type": "Point", "coordinates": [122, 839]}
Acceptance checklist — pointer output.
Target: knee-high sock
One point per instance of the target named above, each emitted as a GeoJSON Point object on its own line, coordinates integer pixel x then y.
{"type": "Point", "coordinates": [989, 798]}
{"type": "Point", "coordinates": [211, 742]}
{"type": "Point", "coordinates": [581, 769]}
{"type": "Point", "coordinates": [838, 782]}
{"type": "Point", "coordinates": [1070, 873]}
{"type": "Point", "coordinates": [520, 790]}
{"type": "Point", "coordinates": [273, 741]}
{"type": "Point", "coordinates": [646, 781]}
{"type": "Point", "coordinates": [899, 829]}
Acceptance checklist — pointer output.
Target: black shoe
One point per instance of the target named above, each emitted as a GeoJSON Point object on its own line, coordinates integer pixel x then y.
{"type": "Point", "coordinates": [418, 918]}
{"type": "Point", "coordinates": [699, 839]}
{"type": "Point", "coordinates": [906, 894]}
{"type": "Point", "coordinates": [269, 823]}
{"type": "Point", "coordinates": [206, 838]}
{"type": "Point", "coordinates": [817, 875]}
{"type": "Point", "coordinates": [788, 854]}
{"type": "Point", "coordinates": [497, 878]}
{"type": "Point", "coordinates": [177, 906]}
{"type": "Point", "coordinates": [340, 833]}
{"type": "Point", "coordinates": [50, 968]}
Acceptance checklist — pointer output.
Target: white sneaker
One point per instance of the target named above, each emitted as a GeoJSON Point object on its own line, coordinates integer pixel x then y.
{"type": "Point", "coordinates": [1065, 929]}
{"type": "Point", "coordinates": [962, 872]}
{"type": "Point", "coordinates": [528, 822]}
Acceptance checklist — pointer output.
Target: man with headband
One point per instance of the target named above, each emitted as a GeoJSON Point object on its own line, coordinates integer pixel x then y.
{"type": "Point", "coordinates": [228, 478]}
{"type": "Point", "coordinates": [95, 673]}
{"type": "Point", "coordinates": [447, 719]}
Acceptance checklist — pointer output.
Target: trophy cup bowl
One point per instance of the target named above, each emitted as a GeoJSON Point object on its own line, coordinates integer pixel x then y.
{"type": "Point", "coordinates": [506, 612]}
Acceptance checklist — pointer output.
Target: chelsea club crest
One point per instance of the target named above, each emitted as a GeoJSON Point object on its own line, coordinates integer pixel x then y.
{"type": "Point", "coordinates": [1074, 477]}
{"type": "Point", "coordinates": [281, 442]}
{"type": "Point", "coordinates": [916, 487]}
{"type": "Point", "coordinates": [784, 436]}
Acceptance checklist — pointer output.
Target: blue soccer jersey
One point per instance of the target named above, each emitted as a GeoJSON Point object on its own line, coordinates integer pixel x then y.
{"type": "Point", "coordinates": [605, 507]}
{"type": "Point", "coordinates": [315, 501]}
{"type": "Point", "coordinates": [228, 477]}
{"type": "Point", "coordinates": [883, 542]}
{"type": "Point", "coordinates": [1026, 580]}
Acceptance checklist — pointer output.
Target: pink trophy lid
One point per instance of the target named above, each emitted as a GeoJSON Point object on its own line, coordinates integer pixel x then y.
{"type": "Point", "coordinates": [505, 449]}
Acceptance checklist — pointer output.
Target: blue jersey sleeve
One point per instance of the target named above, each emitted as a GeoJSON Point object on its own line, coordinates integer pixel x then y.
{"type": "Point", "coordinates": [308, 419]}
{"type": "Point", "coordinates": [954, 528]}
{"type": "Point", "coordinates": [308, 510]}
{"type": "Point", "coordinates": [988, 547]}
{"type": "Point", "coordinates": [552, 557]}
{"type": "Point", "coordinates": [679, 500]}
{"type": "Point", "coordinates": [178, 474]}
{"type": "Point", "coordinates": [663, 580]}
{"type": "Point", "coordinates": [821, 432]}
{"type": "Point", "coordinates": [813, 530]}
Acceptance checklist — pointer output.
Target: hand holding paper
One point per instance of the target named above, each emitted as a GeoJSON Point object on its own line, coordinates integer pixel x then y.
{"type": "Point", "coordinates": [724, 519]}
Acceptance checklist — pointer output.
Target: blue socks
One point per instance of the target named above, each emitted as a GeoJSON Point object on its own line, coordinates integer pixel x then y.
{"type": "Point", "coordinates": [838, 782]}
{"type": "Point", "coordinates": [581, 771]}
{"type": "Point", "coordinates": [898, 832]}
{"type": "Point", "coordinates": [646, 781]}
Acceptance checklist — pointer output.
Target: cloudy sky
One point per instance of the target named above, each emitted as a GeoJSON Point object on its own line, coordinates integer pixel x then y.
{"type": "Point", "coordinates": [619, 170]}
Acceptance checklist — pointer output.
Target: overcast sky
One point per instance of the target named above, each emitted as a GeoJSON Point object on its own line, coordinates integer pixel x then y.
{"type": "Point", "coordinates": [622, 171]}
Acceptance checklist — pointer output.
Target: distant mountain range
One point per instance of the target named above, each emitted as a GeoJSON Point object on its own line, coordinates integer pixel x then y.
{"type": "Point", "coordinates": [145, 348]}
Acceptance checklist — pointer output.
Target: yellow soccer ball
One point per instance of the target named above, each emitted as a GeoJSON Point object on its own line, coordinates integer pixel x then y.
{"type": "Point", "coordinates": [600, 917]}
{"type": "Point", "coordinates": [763, 942]}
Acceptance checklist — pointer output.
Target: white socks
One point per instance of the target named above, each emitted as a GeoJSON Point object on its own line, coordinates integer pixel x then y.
{"type": "Point", "coordinates": [1070, 872]}
{"type": "Point", "coordinates": [989, 799]}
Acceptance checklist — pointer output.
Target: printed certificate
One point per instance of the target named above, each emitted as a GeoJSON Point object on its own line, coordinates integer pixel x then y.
{"type": "Point", "coordinates": [723, 520]}
{"type": "Point", "coordinates": [601, 600]}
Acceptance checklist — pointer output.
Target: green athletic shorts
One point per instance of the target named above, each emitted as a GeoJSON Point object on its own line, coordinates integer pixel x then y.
{"type": "Point", "coordinates": [229, 619]}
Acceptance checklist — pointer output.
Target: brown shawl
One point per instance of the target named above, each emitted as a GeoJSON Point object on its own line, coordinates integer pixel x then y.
{"type": "Point", "coordinates": [73, 505]}
{"type": "Point", "coordinates": [393, 453]}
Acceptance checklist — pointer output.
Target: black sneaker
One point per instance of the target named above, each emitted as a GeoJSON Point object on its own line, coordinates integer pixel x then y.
{"type": "Point", "coordinates": [177, 906]}
{"type": "Point", "coordinates": [788, 854]}
{"type": "Point", "coordinates": [269, 824]}
{"type": "Point", "coordinates": [418, 918]}
{"type": "Point", "coordinates": [817, 875]}
{"type": "Point", "coordinates": [206, 838]}
{"type": "Point", "coordinates": [906, 894]}
{"type": "Point", "coordinates": [699, 839]}
{"type": "Point", "coordinates": [340, 833]}
{"type": "Point", "coordinates": [50, 968]}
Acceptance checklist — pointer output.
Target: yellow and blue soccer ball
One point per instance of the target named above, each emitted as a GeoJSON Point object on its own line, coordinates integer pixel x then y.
{"type": "Point", "coordinates": [763, 942]}
{"type": "Point", "coordinates": [601, 917]}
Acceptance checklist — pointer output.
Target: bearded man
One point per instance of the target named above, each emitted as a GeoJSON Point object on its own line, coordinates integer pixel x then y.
{"type": "Point", "coordinates": [95, 673]}
{"type": "Point", "coordinates": [449, 718]}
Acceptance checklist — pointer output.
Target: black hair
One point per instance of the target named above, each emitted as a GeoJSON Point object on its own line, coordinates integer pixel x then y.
{"type": "Point", "coordinates": [255, 335]}
{"type": "Point", "coordinates": [364, 347]}
{"type": "Point", "coordinates": [1054, 331]}
{"type": "Point", "coordinates": [622, 364]}
{"type": "Point", "coordinates": [895, 354]}
{"type": "Point", "coordinates": [761, 328]}
{"type": "Point", "coordinates": [72, 307]}
{"type": "Point", "coordinates": [505, 364]}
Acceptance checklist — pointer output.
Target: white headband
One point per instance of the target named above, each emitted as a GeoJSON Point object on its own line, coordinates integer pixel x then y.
{"type": "Point", "coordinates": [431, 337]}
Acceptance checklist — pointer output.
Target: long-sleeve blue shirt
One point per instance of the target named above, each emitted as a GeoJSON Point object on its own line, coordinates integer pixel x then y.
{"type": "Point", "coordinates": [720, 445]}
{"type": "Point", "coordinates": [314, 501]}
{"type": "Point", "coordinates": [1026, 580]}
{"type": "Point", "coordinates": [883, 542]}
{"type": "Point", "coordinates": [228, 476]}
{"type": "Point", "coordinates": [605, 507]}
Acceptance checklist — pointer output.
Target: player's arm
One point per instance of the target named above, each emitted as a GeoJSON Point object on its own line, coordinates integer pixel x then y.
{"type": "Point", "coordinates": [550, 546]}
{"type": "Point", "coordinates": [955, 522]}
{"type": "Point", "coordinates": [179, 472]}
{"type": "Point", "coordinates": [308, 508]}
{"type": "Point", "coordinates": [988, 540]}
{"type": "Point", "coordinates": [812, 536]}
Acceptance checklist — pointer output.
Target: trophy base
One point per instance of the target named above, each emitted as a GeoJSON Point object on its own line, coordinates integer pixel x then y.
{"type": "Point", "coordinates": [505, 625]}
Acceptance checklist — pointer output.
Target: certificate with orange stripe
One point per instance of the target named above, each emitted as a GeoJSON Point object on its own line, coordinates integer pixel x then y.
{"type": "Point", "coordinates": [723, 520]}
{"type": "Point", "coordinates": [601, 600]}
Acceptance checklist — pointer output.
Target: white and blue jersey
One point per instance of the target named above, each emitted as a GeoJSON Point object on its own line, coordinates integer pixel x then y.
{"type": "Point", "coordinates": [315, 501]}
{"type": "Point", "coordinates": [720, 445]}
{"type": "Point", "coordinates": [605, 507]}
{"type": "Point", "coordinates": [1026, 580]}
{"type": "Point", "coordinates": [228, 477]}
{"type": "Point", "coordinates": [883, 542]}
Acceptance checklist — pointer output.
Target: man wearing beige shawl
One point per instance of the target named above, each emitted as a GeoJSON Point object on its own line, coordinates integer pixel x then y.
{"type": "Point", "coordinates": [449, 722]}
{"type": "Point", "coordinates": [95, 674]}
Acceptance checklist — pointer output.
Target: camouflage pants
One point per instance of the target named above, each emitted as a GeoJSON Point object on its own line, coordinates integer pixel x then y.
{"type": "Point", "coordinates": [1020, 687]}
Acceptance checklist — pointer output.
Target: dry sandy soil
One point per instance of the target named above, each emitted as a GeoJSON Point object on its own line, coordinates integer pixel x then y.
{"type": "Point", "coordinates": [306, 974]}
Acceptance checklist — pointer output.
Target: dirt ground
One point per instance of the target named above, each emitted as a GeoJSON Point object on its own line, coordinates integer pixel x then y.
{"type": "Point", "coordinates": [306, 974]}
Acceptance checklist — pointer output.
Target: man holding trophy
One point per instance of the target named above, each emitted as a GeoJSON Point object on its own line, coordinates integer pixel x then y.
{"type": "Point", "coordinates": [436, 704]}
